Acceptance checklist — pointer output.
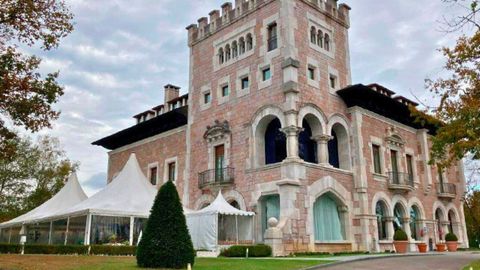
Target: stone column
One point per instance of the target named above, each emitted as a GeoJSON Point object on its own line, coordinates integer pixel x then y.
{"type": "Point", "coordinates": [444, 227]}
{"type": "Point", "coordinates": [390, 228]}
{"type": "Point", "coordinates": [406, 227]}
{"type": "Point", "coordinates": [322, 148]}
{"type": "Point", "coordinates": [292, 141]}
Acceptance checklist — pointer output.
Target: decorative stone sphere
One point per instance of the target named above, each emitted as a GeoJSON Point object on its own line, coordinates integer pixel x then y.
{"type": "Point", "coordinates": [272, 222]}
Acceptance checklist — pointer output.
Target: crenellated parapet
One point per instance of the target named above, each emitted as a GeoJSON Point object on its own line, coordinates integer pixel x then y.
{"type": "Point", "coordinates": [218, 19]}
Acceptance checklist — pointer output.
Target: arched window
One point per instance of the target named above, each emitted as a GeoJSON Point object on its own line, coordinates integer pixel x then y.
{"type": "Point", "coordinates": [249, 42]}
{"type": "Point", "coordinates": [327, 42]}
{"type": "Point", "coordinates": [328, 220]}
{"type": "Point", "coordinates": [307, 148]}
{"type": "Point", "coordinates": [241, 46]}
{"type": "Point", "coordinates": [234, 49]}
{"type": "Point", "coordinates": [398, 217]}
{"type": "Point", "coordinates": [275, 143]}
{"type": "Point", "coordinates": [439, 219]}
{"type": "Point", "coordinates": [381, 213]}
{"type": "Point", "coordinates": [451, 220]}
{"type": "Point", "coordinates": [313, 35]}
{"type": "Point", "coordinates": [227, 53]}
{"type": "Point", "coordinates": [235, 204]}
{"type": "Point", "coordinates": [221, 57]}
{"type": "Point", "coordinates": [414, 219]}
{"type": "Point", "coordinates": [338, 148]}
{"type": "Point", "coordinates": [320, 38]}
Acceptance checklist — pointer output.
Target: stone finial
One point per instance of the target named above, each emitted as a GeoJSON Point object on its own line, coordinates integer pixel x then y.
{"type": "Point", "coordinates": [272, 222]}
{"type": "Point", "coordinates": [202, 22]}
{"type": "Point", "coordinates": [214, 15]}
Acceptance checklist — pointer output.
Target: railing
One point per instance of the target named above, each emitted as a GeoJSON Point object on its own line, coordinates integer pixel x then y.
{"type": "Point", "coordinates": [446, 189]}
{"type": "Point", "coordinates": [272, 43]}
{"type": "Point", "coordinates": [400, 180]}
{"type": "Point", "coordinates": [221, 176]}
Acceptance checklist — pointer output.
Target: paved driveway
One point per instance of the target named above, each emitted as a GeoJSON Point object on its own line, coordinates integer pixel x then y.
{"type": "Point", "coordinates": [452, 261]}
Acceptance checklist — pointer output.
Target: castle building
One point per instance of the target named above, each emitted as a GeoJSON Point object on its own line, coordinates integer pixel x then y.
{"type": "Point", "coordinates": [273, 120]}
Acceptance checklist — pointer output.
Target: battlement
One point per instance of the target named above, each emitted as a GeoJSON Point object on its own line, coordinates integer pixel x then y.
{"type": "Point", "coordinates": [219, 19]}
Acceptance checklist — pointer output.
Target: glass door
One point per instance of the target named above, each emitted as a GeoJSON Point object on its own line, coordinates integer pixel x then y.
{"type": "Point", "coordinates": [219, 163]}
{"type": "Point", "coordinates": [393, 158]}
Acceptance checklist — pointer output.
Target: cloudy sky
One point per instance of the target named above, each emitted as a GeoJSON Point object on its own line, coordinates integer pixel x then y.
{"type": "Point", "coordinates": [122, 52]}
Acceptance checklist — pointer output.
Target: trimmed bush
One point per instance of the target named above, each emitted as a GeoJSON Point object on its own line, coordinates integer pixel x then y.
{"type": "Point", "coordinates": [166, 242]}
{"type": "Point", "coordinates": [451, 237]}
{"type": "Point", "coordinates": [112, 250]}
{"type": "Point", "coordinates": [56, 249]}
{"type": "Point", "coordinates": [400, 235]}
{"type": "Point", "coordinates": [253, 251]}
{"type": "Point", "coordinates": [10, 248]}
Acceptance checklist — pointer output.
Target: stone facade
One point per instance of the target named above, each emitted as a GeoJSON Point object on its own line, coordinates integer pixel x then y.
{"type": "Point", "coordinates": [260, 61]}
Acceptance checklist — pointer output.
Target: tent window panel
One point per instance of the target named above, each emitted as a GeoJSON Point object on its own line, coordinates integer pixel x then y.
{"type": "Point", "coordinates": [59, 230]}
{"type": "Point", "coordinates": [38, 233]}
{"type": "Point", "coordinates": [76, 230]}
{"type": "Point", "coordinates": [227, 232]}
{"type": "Point", "coordinates": [4, 235]}
{"type": "Point", "coordinates": [110, 230]}
{"type": "Point", "coordinates": [327, 220]}
{"type": "Point", "coordinates": [15, 235]}
{"type": "Point", "coordinates": [139, 225]}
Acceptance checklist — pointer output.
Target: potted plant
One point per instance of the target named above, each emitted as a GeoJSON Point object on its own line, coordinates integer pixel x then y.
{"type": "Point", "coordinates": [422, 247]}
{"type": "Point", "coordinates": [452, 242]}
{"type": "Point", "coordinates": [400, 241]}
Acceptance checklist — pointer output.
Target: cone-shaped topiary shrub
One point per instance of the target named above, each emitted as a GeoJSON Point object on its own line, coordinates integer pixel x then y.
{"type": "Point", "coordinates": [400, 235]}
{"type": "Point", "coordinates": [451, 237]}
{"type": "Point", "coordinates": [166, 242]}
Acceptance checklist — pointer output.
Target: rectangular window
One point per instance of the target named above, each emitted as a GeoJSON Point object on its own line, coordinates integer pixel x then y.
{"type": "Point", "coordinates": [410, 167]}
{"type": "Point", "coordinates": [225, 91]}
{"type": "Point", "coordinates": [376, 159]}
{"type": "Point", "coordinates": [171, 171]}
{"type": "Point", "coordinates": [311, 73]}
{"type": "Point", "coordinates": [333, 81]}
{"type": "Point", "coordinates": [245, 83]}
{"type": "Point", "coordinates": [266, 74]}
{"type": "Point", "coordinates": [207, 97]}
{"type": "Point", "coordinates": [153, 175]}
{"type": "Point", "coordinates": [272, 37]}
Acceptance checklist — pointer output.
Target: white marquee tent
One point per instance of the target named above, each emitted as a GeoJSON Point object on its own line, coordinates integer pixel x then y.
{"type": "Point", "coordinates": [70, 195]}
{"type": "Point", "coordinates": [219, 224]}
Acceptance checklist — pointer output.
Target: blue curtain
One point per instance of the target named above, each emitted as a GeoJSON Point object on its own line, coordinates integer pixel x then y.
{"type": "Point", "coordinates": [307, 148]}
{"type": "Point", "coordinates": [275, 143]}
{"type": "Point", "coordinates": [397, 212]}
{"type": "Point", "coordinates": [333, 151]}
{"type": "Point", "coordinates": [381, 224]}
{"type": "Point", "coordinates": [413, 222]}
{"type": "Point", "coordinates": [327, 221]}
{"type": "Point", "coordinates": [271, 208]}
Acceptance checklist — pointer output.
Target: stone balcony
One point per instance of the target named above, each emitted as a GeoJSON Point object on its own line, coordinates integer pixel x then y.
{"type": "Point", "coordinates": [216, 177]}
{"type": "Point", "coordinates": [400, 181]}
{"type": "Point", "coordinates": [446, 190]}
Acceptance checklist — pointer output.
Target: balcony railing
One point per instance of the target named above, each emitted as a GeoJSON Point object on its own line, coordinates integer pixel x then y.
{"type": "Point", "coordinates": [400, 181]}
{"type": "Point", "coordinates": [223, 176]}
{"type": "Point", "coordinates": [446, 190]}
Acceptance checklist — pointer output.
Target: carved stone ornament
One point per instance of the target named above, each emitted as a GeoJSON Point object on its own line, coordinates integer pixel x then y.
{"type": "Point", "coordinates": [393, 137]}
{"type": "Point", "coordinates": [217, 132]}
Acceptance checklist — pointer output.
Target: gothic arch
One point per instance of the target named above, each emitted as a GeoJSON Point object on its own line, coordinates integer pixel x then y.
{"type": "Point", "coordinates": [441, 206]}
{"type": "Point", "coordinates": [381, 196]}
{"type": "Point", "coordinates": [315, 118]}
{"type": "Point", "coordinates": [203, 200]}
{"type": "Point", "coordinates": [235, 195]}
{"type": "Point", "coordinates": [414, 201]}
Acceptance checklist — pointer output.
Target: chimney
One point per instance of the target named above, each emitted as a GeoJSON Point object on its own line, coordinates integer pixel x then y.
{"type": "Point", "coordinates": [171, 92]}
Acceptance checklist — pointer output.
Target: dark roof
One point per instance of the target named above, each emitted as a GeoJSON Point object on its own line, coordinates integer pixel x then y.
{"type": "Point", "coordinates": [369, 99]}
{"type": "Point", "coordinates": [162, 123]}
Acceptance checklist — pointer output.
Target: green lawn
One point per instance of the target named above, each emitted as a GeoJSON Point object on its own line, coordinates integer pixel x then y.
{"type": "Point", "coordinates": [47, 262]}
{"type": "Point", "coordinates": [473, 266]}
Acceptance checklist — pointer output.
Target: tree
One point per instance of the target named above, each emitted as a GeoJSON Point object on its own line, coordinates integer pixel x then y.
{"type": "Point", "coordinates": [26, 97]}
{"type": "Point", "coordinates": [166, 242]}
{"type": "Point", "coordinates": [32, 175]}
{"type": "Point", "coordinates": [458, 112]}
{"type": "Point", "coordinates": [472, 217]}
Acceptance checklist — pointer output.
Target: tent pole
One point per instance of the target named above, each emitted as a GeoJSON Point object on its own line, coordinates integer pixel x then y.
{"type": "Point", "coordinates": [9, 235]}
{"type": "Point", "coordinates": [66, 231]}
{"type": "Point", "coordinates": [50, 234]}
{"type": "Point", "coordinates": [236, 226]}
{"type": "Point", "coordinates": [87, 230]}
{"type": "Point", "coordinates": [131, 231]}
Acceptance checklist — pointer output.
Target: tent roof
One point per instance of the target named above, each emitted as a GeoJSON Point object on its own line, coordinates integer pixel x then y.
{"type": "Point", "coordinates": [70, 195]}
{"type": "Point", "coordinates": [128, 194]}
{"type": "Point", "coordinates": [222, 207]}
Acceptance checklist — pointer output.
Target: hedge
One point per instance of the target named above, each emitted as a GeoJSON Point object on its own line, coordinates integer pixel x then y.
{"type": "Point", "coordinates": [10, 248]}
{"type": "Point", "coordinates": [56, 249]}
{"type": "Point", "coordinates": [253, 251]}
{"type": "Point", "coordinates": [113, 250]}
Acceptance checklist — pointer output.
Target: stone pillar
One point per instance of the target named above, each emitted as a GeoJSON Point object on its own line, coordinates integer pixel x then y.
{"type": "Point", "coordinates": [444, 227]}
{"type": "Point", "coordinates": [322, 148]}
{"type": "Point", "coordinates": [274, 238]}
{"type": "Point", "coordinates": [406, 227]}
{"type": "Point", "coordinates": [390, 228]}
{"type": "Point", "coordinates": [292, 141]}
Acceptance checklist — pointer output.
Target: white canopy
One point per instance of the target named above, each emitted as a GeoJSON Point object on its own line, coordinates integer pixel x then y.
{"type": "Point", "coordinates": [219, 220]}
{"type": "Point", "coordinates": [128, 194]}
{"type": "Point", "coordinates": [70, 195]}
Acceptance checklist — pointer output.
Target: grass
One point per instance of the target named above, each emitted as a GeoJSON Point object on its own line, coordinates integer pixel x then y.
{"type": "Point", "coordinates": [44, 262]}
{"type": "Point", "coordinates": [473, 266]}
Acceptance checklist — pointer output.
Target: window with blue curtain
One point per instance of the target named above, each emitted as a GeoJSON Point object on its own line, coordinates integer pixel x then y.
{"type": "Point", "coordinates": [398, 217]}
{"type": "Point", "coordinates": [333, 157]}
{"type": "Point", "coordinates": [414, 215]}
{"type": "Point", "coordinates": [275, 143]}
{"type": "Point", "coordinates": [271, 208]}
{"type": "Point", "coordinates": [307, 148]}
{"type": "Point", "coordinates": [381, 223]}
{"type": "Point", "coordinates": [327, 220]}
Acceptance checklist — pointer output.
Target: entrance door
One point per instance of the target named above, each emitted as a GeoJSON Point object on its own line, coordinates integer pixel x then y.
{"type": "Point", "coordinates": [219, 163]}
{"type": "Point", "coordinates": [271, 208]}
